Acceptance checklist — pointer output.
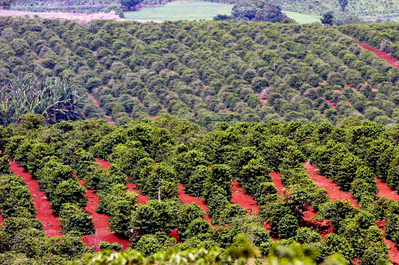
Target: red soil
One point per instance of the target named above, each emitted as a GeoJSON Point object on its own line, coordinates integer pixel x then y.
{"type": "Point", "coordinates": [333, 105]}
{"type": "Point", "coordinates": [334, 193]}
{"type": "Point", "coordinates": [276, 178]}
{"type": "Point", "coordinates": [51, 223]}
{"type": "Point", "coordinates": [245, 200]}
{"type": "Point", "coordinates": [95, 101]}
{"type": "Point", "coordinates": [392, 248]}
{"type": "Point", "coordinates": [264, 101]}
{"type": "Point", "coordinates": [386, 191]}
{"type": "Point", "coordinates": [383, 55]}
{"type": "Point", "coordinates": [101, 224]}
{"type": "Point", "coordinates": [187, 199]}
{"type": "Point", "coordinates": [141, 198]}
{"type": "Point", "coordinates": [104, 163]}
{"type": "Point", "coordinates": [322, 226]}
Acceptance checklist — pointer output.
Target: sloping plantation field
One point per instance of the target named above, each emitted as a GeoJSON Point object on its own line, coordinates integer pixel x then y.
{"type": "Point", "coordinates": [205, 72]}
{"type": "Point", "coordinates": [276, 183]}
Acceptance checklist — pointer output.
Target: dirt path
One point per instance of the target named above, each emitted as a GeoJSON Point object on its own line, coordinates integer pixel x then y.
{"type": "Point", "coordinates": [386, 191]}
{"type": "Point", "coordinates": [245, 200]}
{"type": "Point", "coordinates": [51, 223]}
{"type": "Point", "coordinates": [100, 223]}
{"type": "Point", "coordinates": [334, 193]}
{"type": "Point", "coordinates": [276, 178]}
{"type": "Point", "coordinates": [187, 199]}
{"type": "Point", "coordinates": [141, 199]}
{"type": "Point", "coordinates": [383, 55]}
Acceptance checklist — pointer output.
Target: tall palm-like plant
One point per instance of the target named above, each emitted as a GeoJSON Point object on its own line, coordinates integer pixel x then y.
{"type": "Point", "coordinates": [53, 98]}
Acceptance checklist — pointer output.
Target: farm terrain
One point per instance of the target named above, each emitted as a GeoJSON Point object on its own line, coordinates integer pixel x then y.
{"type": "Point", "coordinates": [212, 141]}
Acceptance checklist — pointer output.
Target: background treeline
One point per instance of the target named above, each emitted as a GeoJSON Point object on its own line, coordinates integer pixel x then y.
{"type": "Point", "coordinates": [357, 8]}
{"type": "Point", "coordinates": [206, 72]}
{"type": "Point", "coordinates": [159, 154]}
{"type": "Point", "coordinates": [72, 6]}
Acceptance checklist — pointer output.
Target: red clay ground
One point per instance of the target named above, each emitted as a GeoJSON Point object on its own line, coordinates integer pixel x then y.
{"type": "Point", "coordinates": [334, 193]}
{"type": "Point", "coordinates": [51, 223]}
{"type": "Point", "coordinates": [276, 178]}
{"type": "Point", "coordinates": [101, 224]}
{"type": "Point", "coordinates": [386, 191]}
{"type": "Point", "coordinates": [322, 226]}
{"type": "Point", "coordinates": [141, 199]}
{"type": "Point", "coordinates": [243, 199]}
{"type": "Point", "coordinates": [383, 55]}
{"type": "Point", "coordinates": [187, 199]}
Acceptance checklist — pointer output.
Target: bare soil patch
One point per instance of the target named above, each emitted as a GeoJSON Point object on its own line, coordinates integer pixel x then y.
{"type": "Point", "coordinates": [245, 200]}
{"type": "Point", "coordinates": [51, 223]}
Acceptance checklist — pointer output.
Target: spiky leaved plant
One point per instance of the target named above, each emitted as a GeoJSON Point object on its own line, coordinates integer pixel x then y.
{"type": "Point", "coordinates": [53, 98]}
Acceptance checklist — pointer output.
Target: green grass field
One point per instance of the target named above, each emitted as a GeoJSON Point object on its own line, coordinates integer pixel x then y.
{"type": "Point", "coordinates": [181, 10]}
{"type": "Point", "coordinates": [302, 18]}
{"type": "Point", "coordinates": [197, 10]}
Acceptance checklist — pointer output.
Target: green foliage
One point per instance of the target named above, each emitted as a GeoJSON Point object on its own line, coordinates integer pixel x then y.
{"type": "Point", "coordinates": [327, 19]}
{"type": "Point", "coordinates": [74, 220]}
{"type": "Point", "coordinates": [336, 212]}
{"type": "Point", "coordinates": [154, 217]}
{"type": "Point", "coordinates": [68, 191]}
{"type": "Point", "coordinates": [54, 99]}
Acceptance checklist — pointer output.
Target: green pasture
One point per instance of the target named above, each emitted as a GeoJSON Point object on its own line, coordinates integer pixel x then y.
{"type": "Point", "coordinates": [181, 10]}
{"type": "Point", "coordinates": [197, 10]}
{"type": "Point", "coordinates": [302, 18]}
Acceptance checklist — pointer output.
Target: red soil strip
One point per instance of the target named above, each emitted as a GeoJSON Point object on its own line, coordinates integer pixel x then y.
{"type": "Point", "coordinates": [104, 163]}
{"type": "Point", "coordinates": [141, 198]}
{"type": "Point", "coordinates": [393, 251]}
{"type": "Point", "coordinates": [243, 199]}
{"type": "Point", "coordinates": [51, 223]}
{"type": "Point", "coordinates": [356, 91]}
{"type": "Point", "coordinates": [334, 193]}
{"type": "Point", "coordinates": [101, 224]}
{"type": "Point", "coordinates": [276, 178]}
{"type": "Point", "coordinates": [175, 234]}
{"type": "Point", "coordinates": [386, 191]}
{"type": "Point", "coordinates": [322, 226]}
{"type": "Point", "coordinates": [187, 199]}
{"type": "Point", "coordinates": [95, 101]}
{"type": "Point", "coordinates": [333, 105]}
{"type": "Point", "coordinates": [383, 55]}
